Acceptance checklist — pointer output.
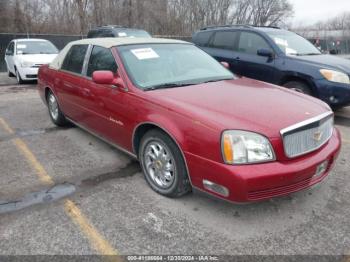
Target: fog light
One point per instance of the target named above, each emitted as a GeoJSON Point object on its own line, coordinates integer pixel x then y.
{"type": "Point", "coordinates": [333, 99]}
{"type": "Point", "coordinates": [218, 189]}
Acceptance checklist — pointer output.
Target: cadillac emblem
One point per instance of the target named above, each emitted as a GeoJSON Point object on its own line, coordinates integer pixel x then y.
{"type": "Point", "coordinates": [318, 136]}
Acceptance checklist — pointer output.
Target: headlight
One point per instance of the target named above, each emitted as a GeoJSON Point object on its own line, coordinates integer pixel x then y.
{"type": "Point", "coordinates": [335, 76]}
{"type": "Point", "coordinates": [26, 64]}
{"type": "Point", "coordinates": [242, 147]}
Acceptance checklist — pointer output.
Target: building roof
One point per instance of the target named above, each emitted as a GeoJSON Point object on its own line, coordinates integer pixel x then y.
{"type": "Point", "coordinates": [324, 34]}
{"type": "Point", "coordinates": [119, 41]}
{"type": "Point", "coordinates": [29, 39]}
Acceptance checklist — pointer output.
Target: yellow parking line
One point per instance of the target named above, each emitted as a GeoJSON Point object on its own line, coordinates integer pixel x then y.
{"type": "Point", "coordinates": [7, 128]}
{"type": "Point", "coordinates": [39, 169]}
{"type": "Point", "coordinates": [97, 241]}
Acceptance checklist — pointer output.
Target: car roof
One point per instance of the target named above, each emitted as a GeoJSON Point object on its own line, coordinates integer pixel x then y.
{"type": "Point", "coordinates": [116, 27]}
{"type": "Point", "coordinates": [109, 42]}
{"type": "Point", "coordinates": [241, 27]}
{"type": "Point", "coordinates": [30, 39]}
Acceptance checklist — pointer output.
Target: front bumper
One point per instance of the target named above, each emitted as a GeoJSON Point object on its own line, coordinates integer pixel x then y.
{"type": "Point", "coordinates": [334, 94]}
{"type": "Point", "coordinates": [28, 73]}
{"type": "Point", "coordinates": [257, 182]}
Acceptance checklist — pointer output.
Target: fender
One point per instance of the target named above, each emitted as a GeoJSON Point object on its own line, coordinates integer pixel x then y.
{"type": "Point", "coordinates": [168, 126]}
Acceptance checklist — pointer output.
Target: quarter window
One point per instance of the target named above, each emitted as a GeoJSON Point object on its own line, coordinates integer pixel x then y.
{"type": "Point", "coordinates": [250, 43]}
{"type": "Point", "coordinates": [74, 60]}
{"type": "Point", "coordinates": [203, 38]}
{"type": "Point", "coordinates": [225, 40]}
{"type": "Point", "coordinates": [101, 59]}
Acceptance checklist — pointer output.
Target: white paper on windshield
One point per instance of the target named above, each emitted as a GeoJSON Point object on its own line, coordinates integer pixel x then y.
{"type": "Point", "coordinates": [281, 41]}
{"type": "Point", "coordinates": [145, 53]}
{"type": "Point", "coordinates": [21, 46]}
{"type": "Point", "coordinates": [122, 34]}
{"type": "Point", "coordinates": [290, 51]}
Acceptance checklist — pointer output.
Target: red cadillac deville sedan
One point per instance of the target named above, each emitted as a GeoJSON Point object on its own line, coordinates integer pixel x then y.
{"type": "Point", "coordinates": [189, 121]}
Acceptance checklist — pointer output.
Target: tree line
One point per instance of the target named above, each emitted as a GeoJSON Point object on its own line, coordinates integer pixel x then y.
{"type": "Point", "coordinates": [159, 17]}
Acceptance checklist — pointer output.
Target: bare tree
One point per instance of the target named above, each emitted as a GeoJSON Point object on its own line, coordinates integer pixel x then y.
{"type": "Point", "coordinates": [165, 17]}
{"type": "Point", "coordinates": [261, 12]}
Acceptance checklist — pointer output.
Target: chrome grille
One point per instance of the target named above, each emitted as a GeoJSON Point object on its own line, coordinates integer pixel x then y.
{"type": "Point", "coordinates": [308, 136]}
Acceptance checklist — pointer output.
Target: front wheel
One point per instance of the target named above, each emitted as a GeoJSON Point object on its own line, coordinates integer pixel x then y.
{"type": "Point", "coordinates": [163, 165]}
{"type": "Point", "coordinates": [19, 78]}
{"type": "Point", "coordinates": [55, 112]}
{"type": "Point", "coordinates": [299, 87]}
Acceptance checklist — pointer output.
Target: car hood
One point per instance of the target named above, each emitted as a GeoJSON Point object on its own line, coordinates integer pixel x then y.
{"type": "Point", "coordinates": [327, 61]}
{"type": "Point", "coordinates": [38, 59]}
{"type": "Point", "coordinates": [243, 104]}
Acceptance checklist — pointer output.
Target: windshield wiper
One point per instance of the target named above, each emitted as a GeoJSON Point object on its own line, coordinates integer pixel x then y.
{"type": "Point", "coordinates": [166, 85]}
{"type": "Point", "coordinates": [215, 80]}
{"type": "Point", "coordinates": [308, 54]}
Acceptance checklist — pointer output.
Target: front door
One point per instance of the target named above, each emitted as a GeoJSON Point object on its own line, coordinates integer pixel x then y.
{"type": "Point", "coordinates": [104, 104]}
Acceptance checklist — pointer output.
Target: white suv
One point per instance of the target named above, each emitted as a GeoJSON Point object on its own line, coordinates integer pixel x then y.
{"type": "Point", "coordinates": [24, 57]}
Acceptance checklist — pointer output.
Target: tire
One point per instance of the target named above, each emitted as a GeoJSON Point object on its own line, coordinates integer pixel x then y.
{"type": "Point", "coordinates": [55, 112]}
{"type": "Point", "coordinates": [19, 78]}
{"type": "Point", "coordinates": [299, 87]}
{"type": "Point", "coordinates": [163, 165]}
{"type": "Point", "coordinates": [9, 73]}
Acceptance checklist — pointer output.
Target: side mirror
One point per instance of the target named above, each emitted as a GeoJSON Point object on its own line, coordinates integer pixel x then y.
{"type": "Point", "coordinates": [265, 52]}
{"type": "Point", "coordinates": [225, 64]}
{"type": "Point", "coordinates": [107, 78]}
{"type": "Point", "coordinates": [8, 52]}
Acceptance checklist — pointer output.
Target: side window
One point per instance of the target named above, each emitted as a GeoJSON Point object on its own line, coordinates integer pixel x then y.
{"type": "Point", "coordinates": [225, 40]}
{"type": "Point", "coordinates": [108, 33]}
{"type": "Point", "coordinates": [250, 43]}
{"type": "Point", "coordinates": [11, 49]}
{"type": "Point", "coordinates": [74, 60]}
{"type": "Point", "coordinates": [101, 59]}
{"type": "Point", "coordinates": [202, 39]}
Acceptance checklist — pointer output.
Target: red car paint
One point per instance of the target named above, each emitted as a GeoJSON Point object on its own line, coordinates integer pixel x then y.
{"type": "Point", "coordinates": [195, 117]}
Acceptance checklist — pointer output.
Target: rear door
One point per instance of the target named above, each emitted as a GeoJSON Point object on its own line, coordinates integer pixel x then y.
{"type": "Point", "coordinates": [223, 47]}
{"type": "Point", "coordinates": [251, 65]}
{"type": "Point", "coordinates": [68, 81]}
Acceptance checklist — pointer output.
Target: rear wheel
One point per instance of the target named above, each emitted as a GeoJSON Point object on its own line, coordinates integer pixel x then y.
{"type": "Point", "coordinates": [56, 114]}
{"type": "Point", "coordinates": [9, 73]}
{"type": "Point", "coordinates": [163, 165]}
{"type": "Point", "coordinates": [299, 87]}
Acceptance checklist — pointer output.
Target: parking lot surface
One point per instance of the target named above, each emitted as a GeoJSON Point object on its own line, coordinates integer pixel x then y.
{"type": "Point", "coordinates": [63, 191]}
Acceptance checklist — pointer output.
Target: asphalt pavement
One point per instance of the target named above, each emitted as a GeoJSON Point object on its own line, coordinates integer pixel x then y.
{"type": "Point", "coordinates": [65, 192]}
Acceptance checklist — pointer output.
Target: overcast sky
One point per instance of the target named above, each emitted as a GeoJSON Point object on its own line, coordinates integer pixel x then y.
{"type": "Point", "coordinates": [310, 11]}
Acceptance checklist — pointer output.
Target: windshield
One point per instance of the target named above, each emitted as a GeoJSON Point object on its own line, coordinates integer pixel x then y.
{"type": "Point", "coordinates": [293, 44]}
{"type": "Point", "coordinates": [35, 47]}
{"type": "Point", "coordinates": [170, 65]}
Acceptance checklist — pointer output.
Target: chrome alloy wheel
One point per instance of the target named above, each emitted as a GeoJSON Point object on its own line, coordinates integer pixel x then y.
{"type": "Point", "coordinates": [159, 164]}
{"type": "Point", "coordinates": [53, 106]}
